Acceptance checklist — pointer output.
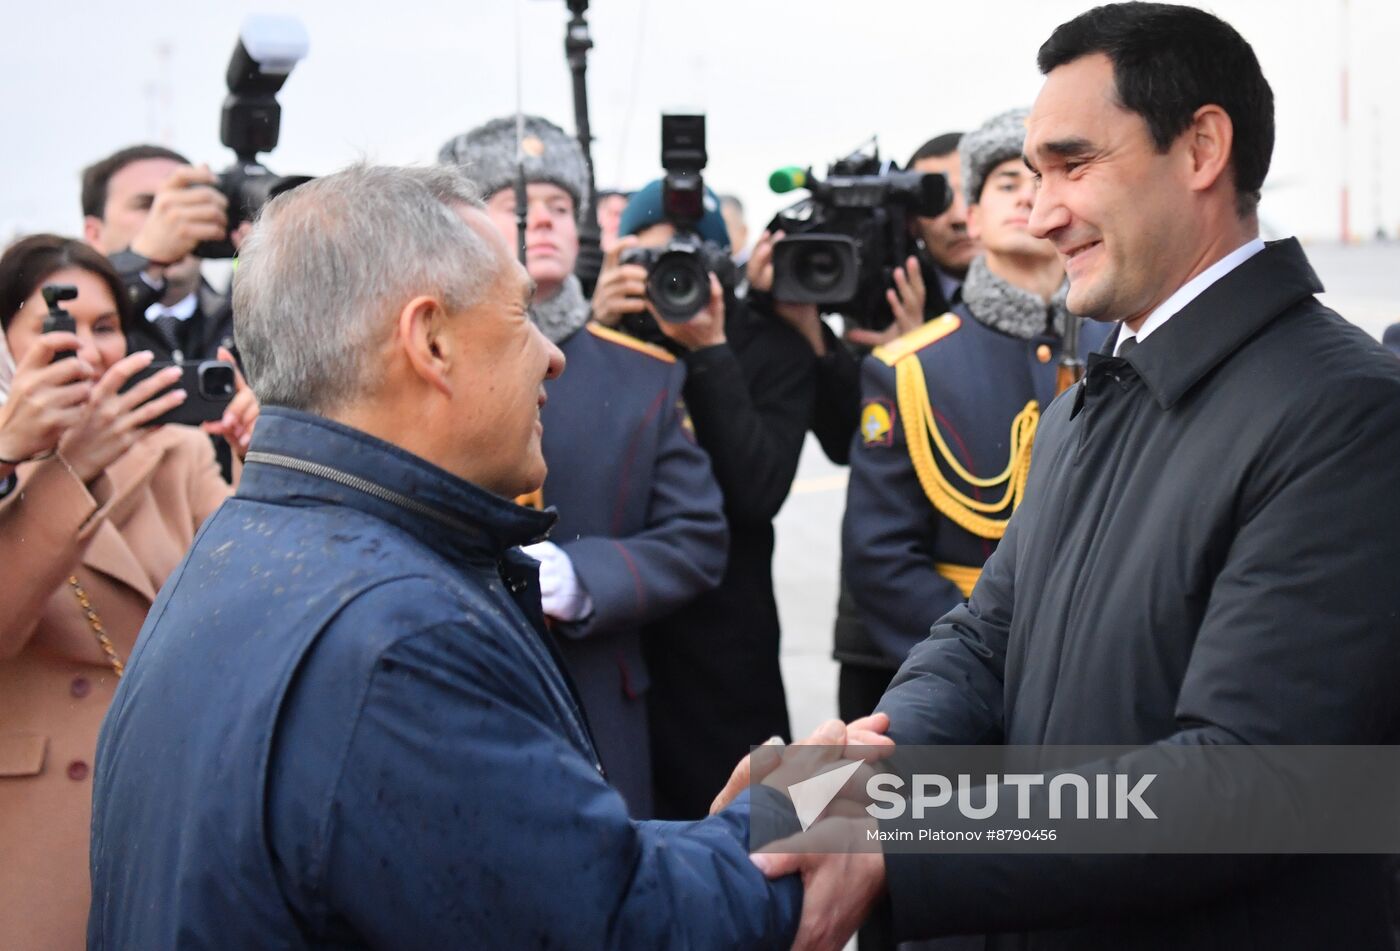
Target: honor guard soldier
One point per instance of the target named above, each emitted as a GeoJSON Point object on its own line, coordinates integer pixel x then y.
{"type": "Point", "coordinates": [641, 529]}
{"type": "Point", "coordinates": [949, 414]}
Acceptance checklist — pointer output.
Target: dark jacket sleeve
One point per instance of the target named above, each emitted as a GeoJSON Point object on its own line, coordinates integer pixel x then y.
{"type": "Point", "coordinates": [1291, 600]}
{"type": "Point", "coordinates": [680, 553]}
{"type": "Point", "coordinates": [461, 814]}
{"type": "Point", "coordinates": [888, 534]}
{"type": "Point", "coordinates": [949, 689]}
{"type": "Point", "coordinates": [752, 431]}
{"type": "Point", "coordinates": [140, 295]}
{"type": "Point", "coordinates": [836, 412]}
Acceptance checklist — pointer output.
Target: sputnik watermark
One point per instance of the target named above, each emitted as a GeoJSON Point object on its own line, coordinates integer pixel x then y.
{"type": "Point", "coordinates": [935, 792]}
{"type": "Point", "coordinates": [1113, 795]}
{"type": "Point", "coordinates": [1164, 798]}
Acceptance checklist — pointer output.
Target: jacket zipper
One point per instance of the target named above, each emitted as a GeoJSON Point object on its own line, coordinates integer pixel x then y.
{"type": "Point", "coordinates": [361, 485]}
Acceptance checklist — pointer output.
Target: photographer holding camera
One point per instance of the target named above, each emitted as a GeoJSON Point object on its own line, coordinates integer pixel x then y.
{"type": "Point", "coordinates": [156, 216]}
{"type": "Point", "coordinates": [641, 530]}
{"type": "Point", "coordinates": [927, 284]}
{"type": "Point", "coordinates": [97, 509]}
{"type": "Point", "coordinates": [147, 208]}
{"type": "Point", "coordinates": [945, 247]}
{"type": "Point", "coordinates": [716, 683]}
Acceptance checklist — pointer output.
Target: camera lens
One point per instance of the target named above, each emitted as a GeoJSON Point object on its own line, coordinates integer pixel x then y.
{"type": "Point", "coordinates": [216, 381]}
{"type": "Point", "coordinates": [818, 269]}
{"type": "Point", "coordinates": [679, 287]}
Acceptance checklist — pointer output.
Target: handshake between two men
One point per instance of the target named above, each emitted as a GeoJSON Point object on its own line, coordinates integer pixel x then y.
{"type": "Point", "coordinates": [841, 877]}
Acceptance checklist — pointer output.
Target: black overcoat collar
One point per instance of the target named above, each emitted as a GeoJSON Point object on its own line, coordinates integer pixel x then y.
{"type": "Point", "coordinates": [1213, 326]}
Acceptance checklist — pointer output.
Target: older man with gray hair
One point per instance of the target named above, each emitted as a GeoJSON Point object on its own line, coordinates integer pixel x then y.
{"type": "Point", "coordinates": [344, 724]}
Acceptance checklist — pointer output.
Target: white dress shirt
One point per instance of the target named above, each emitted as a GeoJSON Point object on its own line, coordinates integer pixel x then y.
{"type": "Point", "coordinates": [182, 309]}
{"type": "Point", "coordinates": [1188, 292]}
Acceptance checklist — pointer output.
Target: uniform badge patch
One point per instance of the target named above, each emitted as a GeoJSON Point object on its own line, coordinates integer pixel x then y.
{"type": "Point", "coordinates": [877, 423]}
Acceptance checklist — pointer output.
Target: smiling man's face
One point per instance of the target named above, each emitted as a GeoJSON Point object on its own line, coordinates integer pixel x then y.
{"type": "Point", "coordinates": [501, 365]}
{"type": "Point", "coordinates": [1118, 211]}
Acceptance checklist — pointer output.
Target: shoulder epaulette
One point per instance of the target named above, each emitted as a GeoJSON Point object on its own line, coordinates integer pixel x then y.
{"type": "Point", "coordinates": [630, 342]}
{"type": "Point", "coordinates": [915, 340]}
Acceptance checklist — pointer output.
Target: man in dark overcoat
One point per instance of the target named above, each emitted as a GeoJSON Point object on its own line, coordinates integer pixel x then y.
{"type": "Point", "coordinates": [1206, 552]}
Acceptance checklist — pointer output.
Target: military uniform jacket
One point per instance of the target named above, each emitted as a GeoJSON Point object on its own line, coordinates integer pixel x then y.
{"type": "Point", "coordinates": [836, 407]}
{"type": "Point", "coordinates": [717, 684]}
{"type": "Point", "coordinates": [967, 399]}
{"type": "Point", "coordinates": [1206, 554]}
{"type": "Point", "coordinates": [641, 518]}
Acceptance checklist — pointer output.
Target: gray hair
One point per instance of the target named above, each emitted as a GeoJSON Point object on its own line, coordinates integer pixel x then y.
{"type": "Point", "coordinates": [328, 266]}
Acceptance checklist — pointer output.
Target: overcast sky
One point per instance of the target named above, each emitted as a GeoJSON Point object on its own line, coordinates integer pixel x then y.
{"type": "Point", "coordinates": [782, 83]}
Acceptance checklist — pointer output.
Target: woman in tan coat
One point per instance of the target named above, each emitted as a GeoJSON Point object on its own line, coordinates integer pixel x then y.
{"type": "Point", "coordinates": [97, 510]}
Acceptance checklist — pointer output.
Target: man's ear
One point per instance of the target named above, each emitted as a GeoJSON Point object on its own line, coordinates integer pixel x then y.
{"type": "Point", "coordinates": [422, 333]}
{"type": "Point", "coordinates": [974, 222]}
{"type": "Point", "coordinates": [1211, 142]}
{"type": "Point", "coordinates": [92, 231]}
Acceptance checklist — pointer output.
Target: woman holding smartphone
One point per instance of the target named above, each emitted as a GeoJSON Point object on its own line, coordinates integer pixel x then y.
{"type": "Point", "coordinates": [98, 508]}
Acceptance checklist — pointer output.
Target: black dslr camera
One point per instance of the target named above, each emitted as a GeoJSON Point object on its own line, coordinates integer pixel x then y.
{"type": "Point", "coordinates": [844, 241]}
{"type": "Point", "coordinates": [678, 274]}
{"type": "Point", "coordinates": [268, 47]}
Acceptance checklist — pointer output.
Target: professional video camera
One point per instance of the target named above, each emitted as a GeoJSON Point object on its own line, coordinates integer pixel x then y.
{"type": "Point", "coordinates": [844, 241]}
{"type": "Point", "coordinates": [268, 48]}
{"type": "Point", "coordinates": [678, 274]}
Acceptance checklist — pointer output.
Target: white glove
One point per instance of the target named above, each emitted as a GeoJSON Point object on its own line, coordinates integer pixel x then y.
{"type": "Point", "coordinates": [562, 595]}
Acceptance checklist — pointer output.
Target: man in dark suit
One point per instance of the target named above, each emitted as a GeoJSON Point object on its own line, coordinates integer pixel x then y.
{"type": "Point", "coordinates": [146, 208]}
{"type": "Point", "coordinates": [1206, 550]}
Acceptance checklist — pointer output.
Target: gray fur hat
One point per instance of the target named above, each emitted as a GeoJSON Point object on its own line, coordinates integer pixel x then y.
{"type": "Point", "coordinates": [487, 155]}
{"type": "Point", "coordinates": [1000, 138]}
